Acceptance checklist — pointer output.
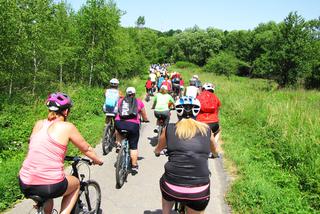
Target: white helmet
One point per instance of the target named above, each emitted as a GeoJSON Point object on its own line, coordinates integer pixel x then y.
{"type": "Point", "coordinates": [208, 87]}
{"type": "Point", "coordinates": [164, 87]}
{"type": "Point", "coordinates": [187, 107]}
{"type": "Point", "coordinates": [195, 77]}
{"type": "Point", "coordinates": [114, 82]}
{"type": "Point", "coordinates": [130, 90]}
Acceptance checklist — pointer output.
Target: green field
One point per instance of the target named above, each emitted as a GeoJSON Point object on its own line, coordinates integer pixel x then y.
{"type": "Point", "coordinates": [271, 143]}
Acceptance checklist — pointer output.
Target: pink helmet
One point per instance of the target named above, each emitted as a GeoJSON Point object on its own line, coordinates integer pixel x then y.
{"type": "Point", "coordinates": [58, 102]}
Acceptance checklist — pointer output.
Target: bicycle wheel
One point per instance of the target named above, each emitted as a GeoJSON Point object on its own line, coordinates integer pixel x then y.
{"type": "Point", "coordinates": [90, 198]}
{"type": "Point", "coordinates": [121, 171]}
{"type": "Point", "coordinates": [106, 140]}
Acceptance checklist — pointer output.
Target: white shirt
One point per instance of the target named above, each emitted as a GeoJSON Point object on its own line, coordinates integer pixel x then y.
{"type": "Point", "coordinates": [192, 91]}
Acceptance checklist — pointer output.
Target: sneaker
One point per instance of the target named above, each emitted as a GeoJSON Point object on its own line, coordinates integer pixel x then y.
{"type": "Point", "coordinates": [134, 170]}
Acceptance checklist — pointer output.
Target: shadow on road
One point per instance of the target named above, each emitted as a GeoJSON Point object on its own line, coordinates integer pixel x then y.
{"type": "Point", "coordinates": [153, 141]}
{"type": "Point", "coordinates": [158, 211]}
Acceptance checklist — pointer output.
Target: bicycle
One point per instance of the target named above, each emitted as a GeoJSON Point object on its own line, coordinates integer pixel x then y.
{"type": "Point", "coordinates": [161, 120]}
{"type": "Point", "coordinates": [123, 163]}
{"type": "Point", "coordinates": [88, 189]}
{"type": "Point", "coordinates": [109, 138]}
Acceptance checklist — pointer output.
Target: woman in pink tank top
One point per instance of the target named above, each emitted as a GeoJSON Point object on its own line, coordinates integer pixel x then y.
{"type": "Point", "coordinates": [42, 171]}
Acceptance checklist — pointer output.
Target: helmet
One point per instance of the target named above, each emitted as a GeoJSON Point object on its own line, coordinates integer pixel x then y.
{"type": "Point", "coordinates": [192, 81]}
{"type": "Point", "coordinates": [114, 82]}
{"type": "Point", "coordinates": [164, 87]}
{"type": "Point", "coordinates": [58, 102]}
{"type": "Point", "coordinates": [208, 87]}
{"type": "Point", "coordinates": [187, 107]}
{"type": "Point", "coordinates": [195, 76]}
{"type": "Point", "coordinates": [130, 90]}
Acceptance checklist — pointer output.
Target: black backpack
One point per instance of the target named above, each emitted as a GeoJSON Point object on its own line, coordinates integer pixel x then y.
{"type": "Point", "coordinates": [128, 108]}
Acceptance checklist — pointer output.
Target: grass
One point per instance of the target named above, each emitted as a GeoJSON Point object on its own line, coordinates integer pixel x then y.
{"type": "Point", "coordinates": [272, 138]}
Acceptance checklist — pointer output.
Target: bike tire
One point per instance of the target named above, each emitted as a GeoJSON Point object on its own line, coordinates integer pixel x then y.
{"type": "Point", "coordinates": [121, 172]}
{"type": "Point", "coordinates": [90, 198]}
{"type": "Point", "coordinates": [106, 140]}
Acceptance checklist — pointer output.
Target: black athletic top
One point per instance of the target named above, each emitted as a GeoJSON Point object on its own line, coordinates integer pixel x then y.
{"type": "Point", "coordinates": [188, 159]}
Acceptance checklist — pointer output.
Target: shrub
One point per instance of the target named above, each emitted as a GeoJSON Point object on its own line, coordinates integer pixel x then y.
{"type": "Point", "coordinates": [183, 64]}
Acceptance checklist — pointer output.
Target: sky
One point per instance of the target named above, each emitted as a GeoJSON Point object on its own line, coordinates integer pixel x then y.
{"type": "Point", "coordinates": [164, 15]}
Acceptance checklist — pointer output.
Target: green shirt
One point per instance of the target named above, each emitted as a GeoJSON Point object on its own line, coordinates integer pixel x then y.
{"type": "Point", "coordinates": [163, 101]}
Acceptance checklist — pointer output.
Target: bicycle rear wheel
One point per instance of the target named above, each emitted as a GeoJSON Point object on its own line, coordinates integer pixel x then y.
{"type": "Point", "coordinates": [121, 171]}
{"type": "Point", "coordinates": [107, 140]}
{"type": "Point", "coordinates": [90, 199]}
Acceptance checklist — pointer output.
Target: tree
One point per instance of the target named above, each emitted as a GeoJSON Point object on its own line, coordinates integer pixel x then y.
{"type": "Point", "coordinates": [223, 64]}
{"type": "Point", "coordinates": [140, 22]}
{"type": "Point", "coordinates": [291, 51]}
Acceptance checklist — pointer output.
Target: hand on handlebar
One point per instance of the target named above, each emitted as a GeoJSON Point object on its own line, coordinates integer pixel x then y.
{"type": "Point", "coordinates": [98, 162]}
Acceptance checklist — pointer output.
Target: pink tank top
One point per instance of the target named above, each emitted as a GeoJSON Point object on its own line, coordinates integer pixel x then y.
{"type": "Point", "coordinates": [44, 162]}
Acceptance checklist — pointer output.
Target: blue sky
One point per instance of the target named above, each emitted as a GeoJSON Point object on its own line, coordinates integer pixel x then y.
{"type": "Point", "coordinates": [164, 15]}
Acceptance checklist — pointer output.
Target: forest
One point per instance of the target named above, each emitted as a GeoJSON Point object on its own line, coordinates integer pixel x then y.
{"type": "Point", "coordinates": [43, 43]}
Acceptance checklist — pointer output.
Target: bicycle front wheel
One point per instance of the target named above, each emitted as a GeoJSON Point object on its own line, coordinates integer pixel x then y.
{"type": "Point", "coordinates": [121, 171]}
{"type": "Point", "coordinates": [90, 198]}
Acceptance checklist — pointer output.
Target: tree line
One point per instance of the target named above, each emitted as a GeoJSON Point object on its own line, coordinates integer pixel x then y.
{"type": "Point", "coordinates": [44, 42]}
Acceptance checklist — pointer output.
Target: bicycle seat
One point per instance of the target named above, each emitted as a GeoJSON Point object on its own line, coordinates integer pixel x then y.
{"type": "Point", "coordinates": [110, 114]}
{"type": "Point", "coordinates": [38, 199]}
{"type": "Point", "coordinates": [124, 133]}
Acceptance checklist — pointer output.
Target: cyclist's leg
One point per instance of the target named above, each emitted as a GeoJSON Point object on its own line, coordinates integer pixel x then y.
{"type": "Point", "coordinates": [71, 195]}
{"type": "Point", "coordinates": [48, 206]}
{"type": "Point", "coordinates": [167, 206]}
{"type": "Point", "coordinates": [133, 139]}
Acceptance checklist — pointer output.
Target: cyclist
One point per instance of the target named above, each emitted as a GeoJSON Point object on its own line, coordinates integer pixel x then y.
{"type": "Point", "coordinates": [188, 143]}
{"type": "Point", "coordinates": [176, 78]}
{"type": "Point", "coordinates": [209, 112]}
{"type": "Point", "coordinates": [167, 83]}
{"type": "Point", "coordinates": [198, 83]}
{"type": "Point", "coordinates": [192, 90]}
{"type": "Point", "coordinates": [112, 95]}
{"type": "Point", "coordinates": [42, 171]}
{"type": "Point", "coordinates": [128, 118]}
{"type": "Point", "coordinates": [161, 104]}
{"type": "Point", "coordinates": [149, 86]}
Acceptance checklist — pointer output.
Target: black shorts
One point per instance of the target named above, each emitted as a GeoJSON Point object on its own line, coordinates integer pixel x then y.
{"type": "Point", "coordinates": [196, 201]}
{"type": "Point", "coordinates": [215, 128]}
{"type": "Point", "coordinates": [44, 191]}
{"type": "Point", "coordinates": [133, 132]}
{"type": "Point", "coordinates": [164, 115]}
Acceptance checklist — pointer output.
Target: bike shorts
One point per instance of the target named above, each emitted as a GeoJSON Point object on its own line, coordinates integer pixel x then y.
{"type": "Point", "coordinates": [215, 128]}
{"type": "Point", "coordinates": [197, 201]}
{"type": "Point", "coordinates": [164, 114]}
{"type": "Point", "coordinates": [44, 191]}
{"type": "Point", "coordinates": [133, 132]}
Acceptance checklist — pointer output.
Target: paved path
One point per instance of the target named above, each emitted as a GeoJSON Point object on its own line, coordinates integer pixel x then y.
{"type": "Point", "coordinates": [141, 194]}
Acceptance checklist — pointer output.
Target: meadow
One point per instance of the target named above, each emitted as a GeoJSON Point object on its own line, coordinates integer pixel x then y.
{"type": "Point", "coordinates": [271, 144]}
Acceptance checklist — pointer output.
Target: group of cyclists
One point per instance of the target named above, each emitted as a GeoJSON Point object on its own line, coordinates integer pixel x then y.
{"type": "Point", "coordinates": [188, 141]}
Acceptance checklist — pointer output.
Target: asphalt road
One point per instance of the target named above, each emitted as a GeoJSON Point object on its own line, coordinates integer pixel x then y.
{"type": "Point", "coordinates": [141, 193]}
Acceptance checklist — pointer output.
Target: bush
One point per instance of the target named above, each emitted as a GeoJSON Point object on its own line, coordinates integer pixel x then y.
{"type": "Point", "coordinates": [223, 64]}
{"type": "Point", "coordinates": [183, 64]}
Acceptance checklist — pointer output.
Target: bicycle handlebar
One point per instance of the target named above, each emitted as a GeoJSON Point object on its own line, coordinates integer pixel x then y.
{"type": "Point", "coordinates": [77, 159]}
{"type": "Point", "coordinates": [211, 155]}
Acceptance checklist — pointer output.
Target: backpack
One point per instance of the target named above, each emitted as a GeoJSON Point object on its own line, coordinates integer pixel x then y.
{"type": "Point", "coordinates": [112, 96]}
{"type": "Point", "coordinates": [128, 108]}
{"type": "Point", "coordinates": [207, 102]}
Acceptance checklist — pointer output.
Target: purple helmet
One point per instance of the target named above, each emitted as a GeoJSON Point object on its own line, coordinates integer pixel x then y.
{"type": "Point", "coordinates": [58, 102]}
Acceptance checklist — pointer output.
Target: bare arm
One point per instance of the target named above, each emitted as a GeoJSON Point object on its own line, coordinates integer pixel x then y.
{"type": "Point", "coordinates": [77, 139]}
{"type": "Point", "coordinates": [144, 114]}
{"type": "Point", "coordinates": [213, 147]}
{"type": "Point", "coordinates": [162, 142]}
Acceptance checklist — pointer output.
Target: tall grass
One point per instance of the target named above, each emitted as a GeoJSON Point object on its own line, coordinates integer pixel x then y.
{"type": "Point", "coordinates": [273, 138]}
